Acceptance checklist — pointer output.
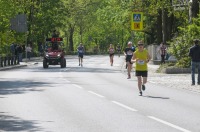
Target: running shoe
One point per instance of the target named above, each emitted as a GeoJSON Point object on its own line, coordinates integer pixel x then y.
{"type": "Point", "coordinates": [143, 87]}
{"type": "Point", "coordinates": [140, 93]}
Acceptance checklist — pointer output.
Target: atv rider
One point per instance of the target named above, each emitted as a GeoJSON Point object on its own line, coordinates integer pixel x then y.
{"type": "Point", "coordinates": [55, 44]}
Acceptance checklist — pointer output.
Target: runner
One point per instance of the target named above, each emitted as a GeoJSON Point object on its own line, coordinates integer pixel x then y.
{"type": "Point", "coordinates": [128, 52]}
{"type": "Point", "coordinates": [141, 57]}
{"type": "Point", "coordinates": [81, 51]}
{"type": "Point", "coordinates": [118, 50]}
{"type": "Point", "coordinates": [111, 51]}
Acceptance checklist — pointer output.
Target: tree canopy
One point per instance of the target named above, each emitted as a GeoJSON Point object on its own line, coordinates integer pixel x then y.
{"type": "Point", "coordinates": [97, 23]}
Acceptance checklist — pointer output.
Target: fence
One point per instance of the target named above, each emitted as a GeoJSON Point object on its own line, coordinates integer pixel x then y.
{"type": "Point", "coordinates": [8, 60]}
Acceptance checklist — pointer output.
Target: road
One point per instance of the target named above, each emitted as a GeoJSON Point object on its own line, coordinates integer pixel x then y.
{"type": "Point", "coordinates": [94, 98]}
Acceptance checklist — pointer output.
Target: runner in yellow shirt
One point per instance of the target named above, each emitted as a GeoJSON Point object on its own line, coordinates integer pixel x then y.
{"type": "Point", "coordinates": [141, 57]}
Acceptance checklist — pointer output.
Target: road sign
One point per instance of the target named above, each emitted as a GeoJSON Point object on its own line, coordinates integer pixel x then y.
{"type": "Point", "coordinates": [19, 23]}
{"type": "Point", "coordinates": [137, 21]}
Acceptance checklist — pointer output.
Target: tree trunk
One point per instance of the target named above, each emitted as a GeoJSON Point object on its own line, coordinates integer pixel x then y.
{"type": "Point", "coordinates": [164, 25]}
{"type": "Point", "coordinates": [159, 27]}
{"type": "Point", "coordinates": [195, 8]}
{"type": "Point", "coordinates": [71, 34]}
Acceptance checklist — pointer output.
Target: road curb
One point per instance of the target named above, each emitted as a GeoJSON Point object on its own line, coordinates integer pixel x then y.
{"type": "Point", "coordinates": [11, 67]}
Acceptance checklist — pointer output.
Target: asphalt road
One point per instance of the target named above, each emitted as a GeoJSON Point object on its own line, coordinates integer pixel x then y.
{"type": "Point", "coordinates": [94, 98]}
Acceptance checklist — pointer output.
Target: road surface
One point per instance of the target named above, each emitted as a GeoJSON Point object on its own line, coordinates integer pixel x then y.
{"type": "Point", "coordinates": [94, 98]}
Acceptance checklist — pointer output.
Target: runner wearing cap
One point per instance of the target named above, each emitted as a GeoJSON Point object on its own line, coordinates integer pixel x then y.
{"type": "Point", "coordinates": [128, 52]}
{"type": "Point", "coordinates": [141, 57]}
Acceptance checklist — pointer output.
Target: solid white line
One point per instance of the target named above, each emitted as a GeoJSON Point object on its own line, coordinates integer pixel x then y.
{"type": "Point", "coordinates": [124, 106]}
{"type": "Point", "coordinates": [77, 86]}
{"type": "Point", "coordinates": [96, 94]}
{"type": "Point", "coordinates": [169, 124]}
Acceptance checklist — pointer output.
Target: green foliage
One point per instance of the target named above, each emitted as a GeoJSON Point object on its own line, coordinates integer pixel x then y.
{"type": "Point", "coordinates": [95, 23]}
{"type": "Point", "coordinates": [180, 45]}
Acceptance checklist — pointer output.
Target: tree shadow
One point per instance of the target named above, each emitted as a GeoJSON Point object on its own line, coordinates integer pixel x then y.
{"type": "Point", "coordinates": [78, 69]}
{"type": "Point", "coordinates": [12, 123]}
{"type": "Point", "coordinates": [19, 86]}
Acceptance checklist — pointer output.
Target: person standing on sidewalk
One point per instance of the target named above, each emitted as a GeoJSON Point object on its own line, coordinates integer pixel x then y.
{"type": "Point", "coordinates": [81, 51]}
{"type": "Point", "coordinates": [128, 52]}
{"type": "Point", "coordinates": [28, 51]}
{"type": "Point", "coordinates": [111, 51]}
{"type": "Point", "coordinates": [194, 53]}
{"type": "Point", "coordinates": [141, 57]}
{"type": "Point", "coordinates": [163, 51]}
{"type": "Point", "coordinates": [20, 52]}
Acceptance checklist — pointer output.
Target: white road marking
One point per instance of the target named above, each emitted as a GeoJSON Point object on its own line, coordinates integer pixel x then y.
{"type": "Point", "coordinates": [96, 94]}
{"type": "Point", "coordinates": [77, 86]}
{"type": "Point", "coordinates": [169, 124]}
{"type": "Point", "coordinates": [124, 106]}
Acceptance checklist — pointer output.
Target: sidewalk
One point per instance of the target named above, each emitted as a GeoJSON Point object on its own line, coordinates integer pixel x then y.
{"type": "Point", "coordinates": [177, 81]}
{"type": "Point", "coordinates": [25, 63]}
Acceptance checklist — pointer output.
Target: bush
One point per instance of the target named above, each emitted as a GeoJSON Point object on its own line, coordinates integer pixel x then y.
{"type": "Point", "coordinates": [180, 45]}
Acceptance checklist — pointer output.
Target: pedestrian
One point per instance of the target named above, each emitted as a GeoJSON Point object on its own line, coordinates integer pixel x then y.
{"type": "Point", "coordinates": [19, 52]}
{"type": "Point", "coordinates": [28, 51]}
{"type": "Point", "coordinates": [194, 53]}
{"type": "Point", "coordinates": [128, 52]}
{"type": "Point", "coordinates": [12, 49]}
{"type": "Point", "coordinates": [111, 51]}
{"type": "Point", "coordinates": [141, 57]}
{"type": "Point", "coordinates": [163, 51]}
{"type": "Point", "coordinates": [81, 51]}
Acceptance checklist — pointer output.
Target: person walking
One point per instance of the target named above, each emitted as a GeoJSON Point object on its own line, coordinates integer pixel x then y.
{"type": "Point", "coordinates": [128, 52]}
{"type": "Point", "coordinates": [28, 51]}
{"type": "Point", "coordinates": [194, 53]}
{"type": "Point", "coordinates": [163, 51]}
{"type": "Point", "coordinates": [111, 51]}
{"type": "Point", "coordinates": [81, 51]}
{"type": "Point", "coordinates": [141, 57]}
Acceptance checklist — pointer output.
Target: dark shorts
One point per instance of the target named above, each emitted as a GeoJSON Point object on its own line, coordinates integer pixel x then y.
{"type": "Point", "coordinates": [141, 73]}
{"type": "Point", "coordinates": [80, 55]}
{"type": "Point", "coordinates": [129, 60]}
{"type": "Point", "coordinates": [112, 54]}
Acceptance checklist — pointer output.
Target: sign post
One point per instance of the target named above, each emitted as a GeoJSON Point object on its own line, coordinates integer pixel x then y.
{"type": "Point", "coordinates": [137, 21]}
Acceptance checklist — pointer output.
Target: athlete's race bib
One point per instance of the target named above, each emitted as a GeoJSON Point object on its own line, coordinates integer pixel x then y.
{"type": "Point", "coordinates": [129, 53]}
{"type": "Point", "coordinates": [140, 62]}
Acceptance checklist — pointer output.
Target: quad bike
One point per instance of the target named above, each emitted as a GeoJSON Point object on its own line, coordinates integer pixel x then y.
{"type": "Point", "coordinates": [54, 53]}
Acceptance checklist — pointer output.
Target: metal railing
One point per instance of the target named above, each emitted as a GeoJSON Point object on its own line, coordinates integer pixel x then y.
{"type": "Point", "coordinates": [8, 60]}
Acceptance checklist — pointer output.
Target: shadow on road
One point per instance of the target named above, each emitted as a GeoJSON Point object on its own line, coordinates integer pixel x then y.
{"type": "Point", "coordinates": [154, 97]}
{"type": "Point", "coordinates": [19, 86]}
{"type": "Point", "coordinates": [78, 69]}
{"type": "Point", "coordinates": [12, 123]}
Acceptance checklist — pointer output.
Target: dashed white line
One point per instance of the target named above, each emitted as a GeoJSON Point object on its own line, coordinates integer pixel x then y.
{"type": "Point", "coordinates": [169, 124]}
{"type": "Point", "coordinates": [96, 94]}
{"type": "Point", "coordinates": [77, 86]}
{"type": "Point", "coordinates": [124, 106]}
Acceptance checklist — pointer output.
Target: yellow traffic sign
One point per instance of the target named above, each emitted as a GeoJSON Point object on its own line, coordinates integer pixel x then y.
{"type": "Point", "coordinates": [137, 21]}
